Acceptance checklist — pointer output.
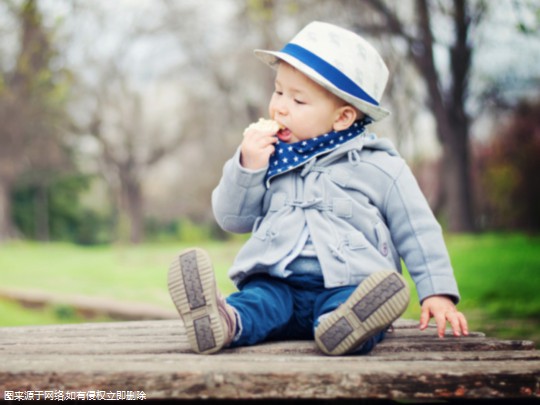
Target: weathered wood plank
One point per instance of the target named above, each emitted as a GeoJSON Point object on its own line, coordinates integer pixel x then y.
{"type": "Point", "coordinates": [299, 350]}
{"type": "Point", "coordinates": [169, 345]}
{"type": "Point", "coordinates": [268, 377]}
{"type": "Point", "coordinates": [154, 357]}
{"type": "Point", "coordinates": [169, 336]}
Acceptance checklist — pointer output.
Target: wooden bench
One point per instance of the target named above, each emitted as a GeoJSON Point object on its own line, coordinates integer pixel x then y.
{"type": "Point", "coordinates": [151, 359]}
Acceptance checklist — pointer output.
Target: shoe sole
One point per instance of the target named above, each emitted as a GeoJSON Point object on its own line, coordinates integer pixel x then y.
{"type": "Point", "coordinates": [374, 305]}
{"type": "Point", "coordinates": [193, 290]}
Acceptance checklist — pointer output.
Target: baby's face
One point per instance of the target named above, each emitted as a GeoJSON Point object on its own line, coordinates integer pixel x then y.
{"type": "Point", "coordinates": [301, 106]}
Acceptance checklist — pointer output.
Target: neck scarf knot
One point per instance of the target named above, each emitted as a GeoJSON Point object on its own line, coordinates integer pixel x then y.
{"type": "Point", "coordinates": [289, 156]}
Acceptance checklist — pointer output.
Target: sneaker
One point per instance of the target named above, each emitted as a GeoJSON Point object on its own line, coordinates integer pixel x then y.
{"type": "Point", "coordinates": [209, 321]}
{"type": "Point", "coordinates": [377, 302]}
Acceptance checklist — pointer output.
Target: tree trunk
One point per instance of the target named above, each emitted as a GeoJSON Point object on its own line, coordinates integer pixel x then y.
{"type": "Point", "coordinates": [451, 118]}
{"type": "Point", "coordinates": [135, 211]}
{"type": "Point", "coordinates": [7, 228]}
{"type": "Point", "coordinates": [41, 210]}
{"type": "Point", "coordinates": [455, 176]}
{"type": "Point", "coordinates": [131, 217]}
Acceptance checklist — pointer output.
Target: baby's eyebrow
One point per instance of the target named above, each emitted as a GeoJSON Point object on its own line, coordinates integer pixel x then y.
{"type": "Point", "coordinates": [294, 90]}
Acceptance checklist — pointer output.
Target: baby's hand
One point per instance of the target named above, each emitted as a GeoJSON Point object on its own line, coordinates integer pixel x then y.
{"type": "Point", "coordinates": [443, 309]}
{"type": "Point", "coordinates": [258, 144]}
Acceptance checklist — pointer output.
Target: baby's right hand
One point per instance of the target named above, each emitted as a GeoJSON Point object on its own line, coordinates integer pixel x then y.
{"type": "Point", "coordinates": [258, 144]}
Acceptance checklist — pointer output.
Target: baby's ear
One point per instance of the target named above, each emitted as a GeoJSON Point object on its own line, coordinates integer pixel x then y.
{"type": "Point", "coordinates": [345, 117]}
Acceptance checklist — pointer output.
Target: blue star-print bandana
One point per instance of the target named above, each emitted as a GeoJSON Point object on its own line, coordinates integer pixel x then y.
{"type": "Point", "coordinates": [289, 156]}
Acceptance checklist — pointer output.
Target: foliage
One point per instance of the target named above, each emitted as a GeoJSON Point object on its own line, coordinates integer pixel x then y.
{"type": "Point", "coordinates": [33, 97]}
{"type": "Point", "coordinates": [508, 168]}
{"type": "Point", "coordinates": [66, 218]}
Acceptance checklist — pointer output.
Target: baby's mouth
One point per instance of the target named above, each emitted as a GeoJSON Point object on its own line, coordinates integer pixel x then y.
{"type": "Point", "coordinates": [284, 135]}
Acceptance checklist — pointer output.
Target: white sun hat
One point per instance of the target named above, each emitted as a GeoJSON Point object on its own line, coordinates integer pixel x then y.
{"type": "Point", "coordinates": [340, 61]}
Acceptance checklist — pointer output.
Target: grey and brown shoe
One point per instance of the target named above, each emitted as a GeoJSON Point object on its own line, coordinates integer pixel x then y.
{"type": "Point", "coordinates": [378, 301]}
{"type": "Point", "coordinates": [209, 321]}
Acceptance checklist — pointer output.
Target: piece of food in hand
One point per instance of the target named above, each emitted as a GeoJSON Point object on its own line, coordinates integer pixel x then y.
{"type": "Point", "coordinates": [273, 127]}
{"type": "Point", "coordinates": [265, 125]}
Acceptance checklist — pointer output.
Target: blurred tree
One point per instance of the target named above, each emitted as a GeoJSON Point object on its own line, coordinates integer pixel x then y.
{"type": "Point", "coordinates": [129, 146]}
{"type": "Point", "coordinates": [133, 121]}
{"type": "Point", "coordinates": [446, 101]}
{"type": "Point", "coordinates": [32, 99]}
{"type": "Point", "coordinates": [507, 167]}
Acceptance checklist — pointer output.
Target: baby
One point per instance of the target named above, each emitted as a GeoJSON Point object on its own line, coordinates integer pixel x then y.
{"type": "Point", "coordinates": [332, 211]}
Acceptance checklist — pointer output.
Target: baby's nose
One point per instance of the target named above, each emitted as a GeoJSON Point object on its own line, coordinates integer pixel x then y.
{"type": "Point", "coordinates": [281, 108]}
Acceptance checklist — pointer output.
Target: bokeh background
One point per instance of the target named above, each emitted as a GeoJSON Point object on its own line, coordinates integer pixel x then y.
{"type": "Point", "coordinates": [116, 118]}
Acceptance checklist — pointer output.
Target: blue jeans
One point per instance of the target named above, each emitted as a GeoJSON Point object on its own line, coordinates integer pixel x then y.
{"type": "Point", "coordinates": [273, 309]}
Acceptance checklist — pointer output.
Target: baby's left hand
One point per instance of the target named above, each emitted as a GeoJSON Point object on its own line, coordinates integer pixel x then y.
{"type": "Point", "coordinates": [443, 309]}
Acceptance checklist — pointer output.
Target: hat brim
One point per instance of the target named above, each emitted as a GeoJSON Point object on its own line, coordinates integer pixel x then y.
{"type": "Point", "coordinates": [272, 58]}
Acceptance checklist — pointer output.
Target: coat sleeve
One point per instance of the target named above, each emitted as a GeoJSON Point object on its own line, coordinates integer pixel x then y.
{"type": "Point", "coordinates": [418, 238]}
{"type": "Point", "coordinates": [237, 200]}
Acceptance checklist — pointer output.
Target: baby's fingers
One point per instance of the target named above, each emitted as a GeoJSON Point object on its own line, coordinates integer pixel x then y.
{"type": "Point", "coordinates": [424, 318]}
{"type": "Point", "coordinates": [459, 323]}
{"type": "Point", "coordinates": [455, 323]}
{"type": "Point", "coordinates": [463, 326]}
{"type": "Point", "coordinates": [440, 320]}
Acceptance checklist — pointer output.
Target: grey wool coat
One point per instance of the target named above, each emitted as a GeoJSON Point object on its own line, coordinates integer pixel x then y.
{"type": "Point", "coordinates": [362, 206]}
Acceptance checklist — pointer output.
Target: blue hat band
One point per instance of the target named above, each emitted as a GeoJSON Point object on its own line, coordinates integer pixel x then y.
{"type": "Point", "coordinates": [329, 72]}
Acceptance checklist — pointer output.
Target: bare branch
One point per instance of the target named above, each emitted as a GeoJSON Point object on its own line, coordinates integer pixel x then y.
{"type": "Point", "coordinates": [393, 23]}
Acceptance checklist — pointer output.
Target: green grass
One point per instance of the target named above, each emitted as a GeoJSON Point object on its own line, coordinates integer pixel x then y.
{"type": "Point", "coordinates": [131, 273]}
{"type": "Point", "coordinates": [497, 275]}
{"type": "Point", "coordinates": [14, 314]}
